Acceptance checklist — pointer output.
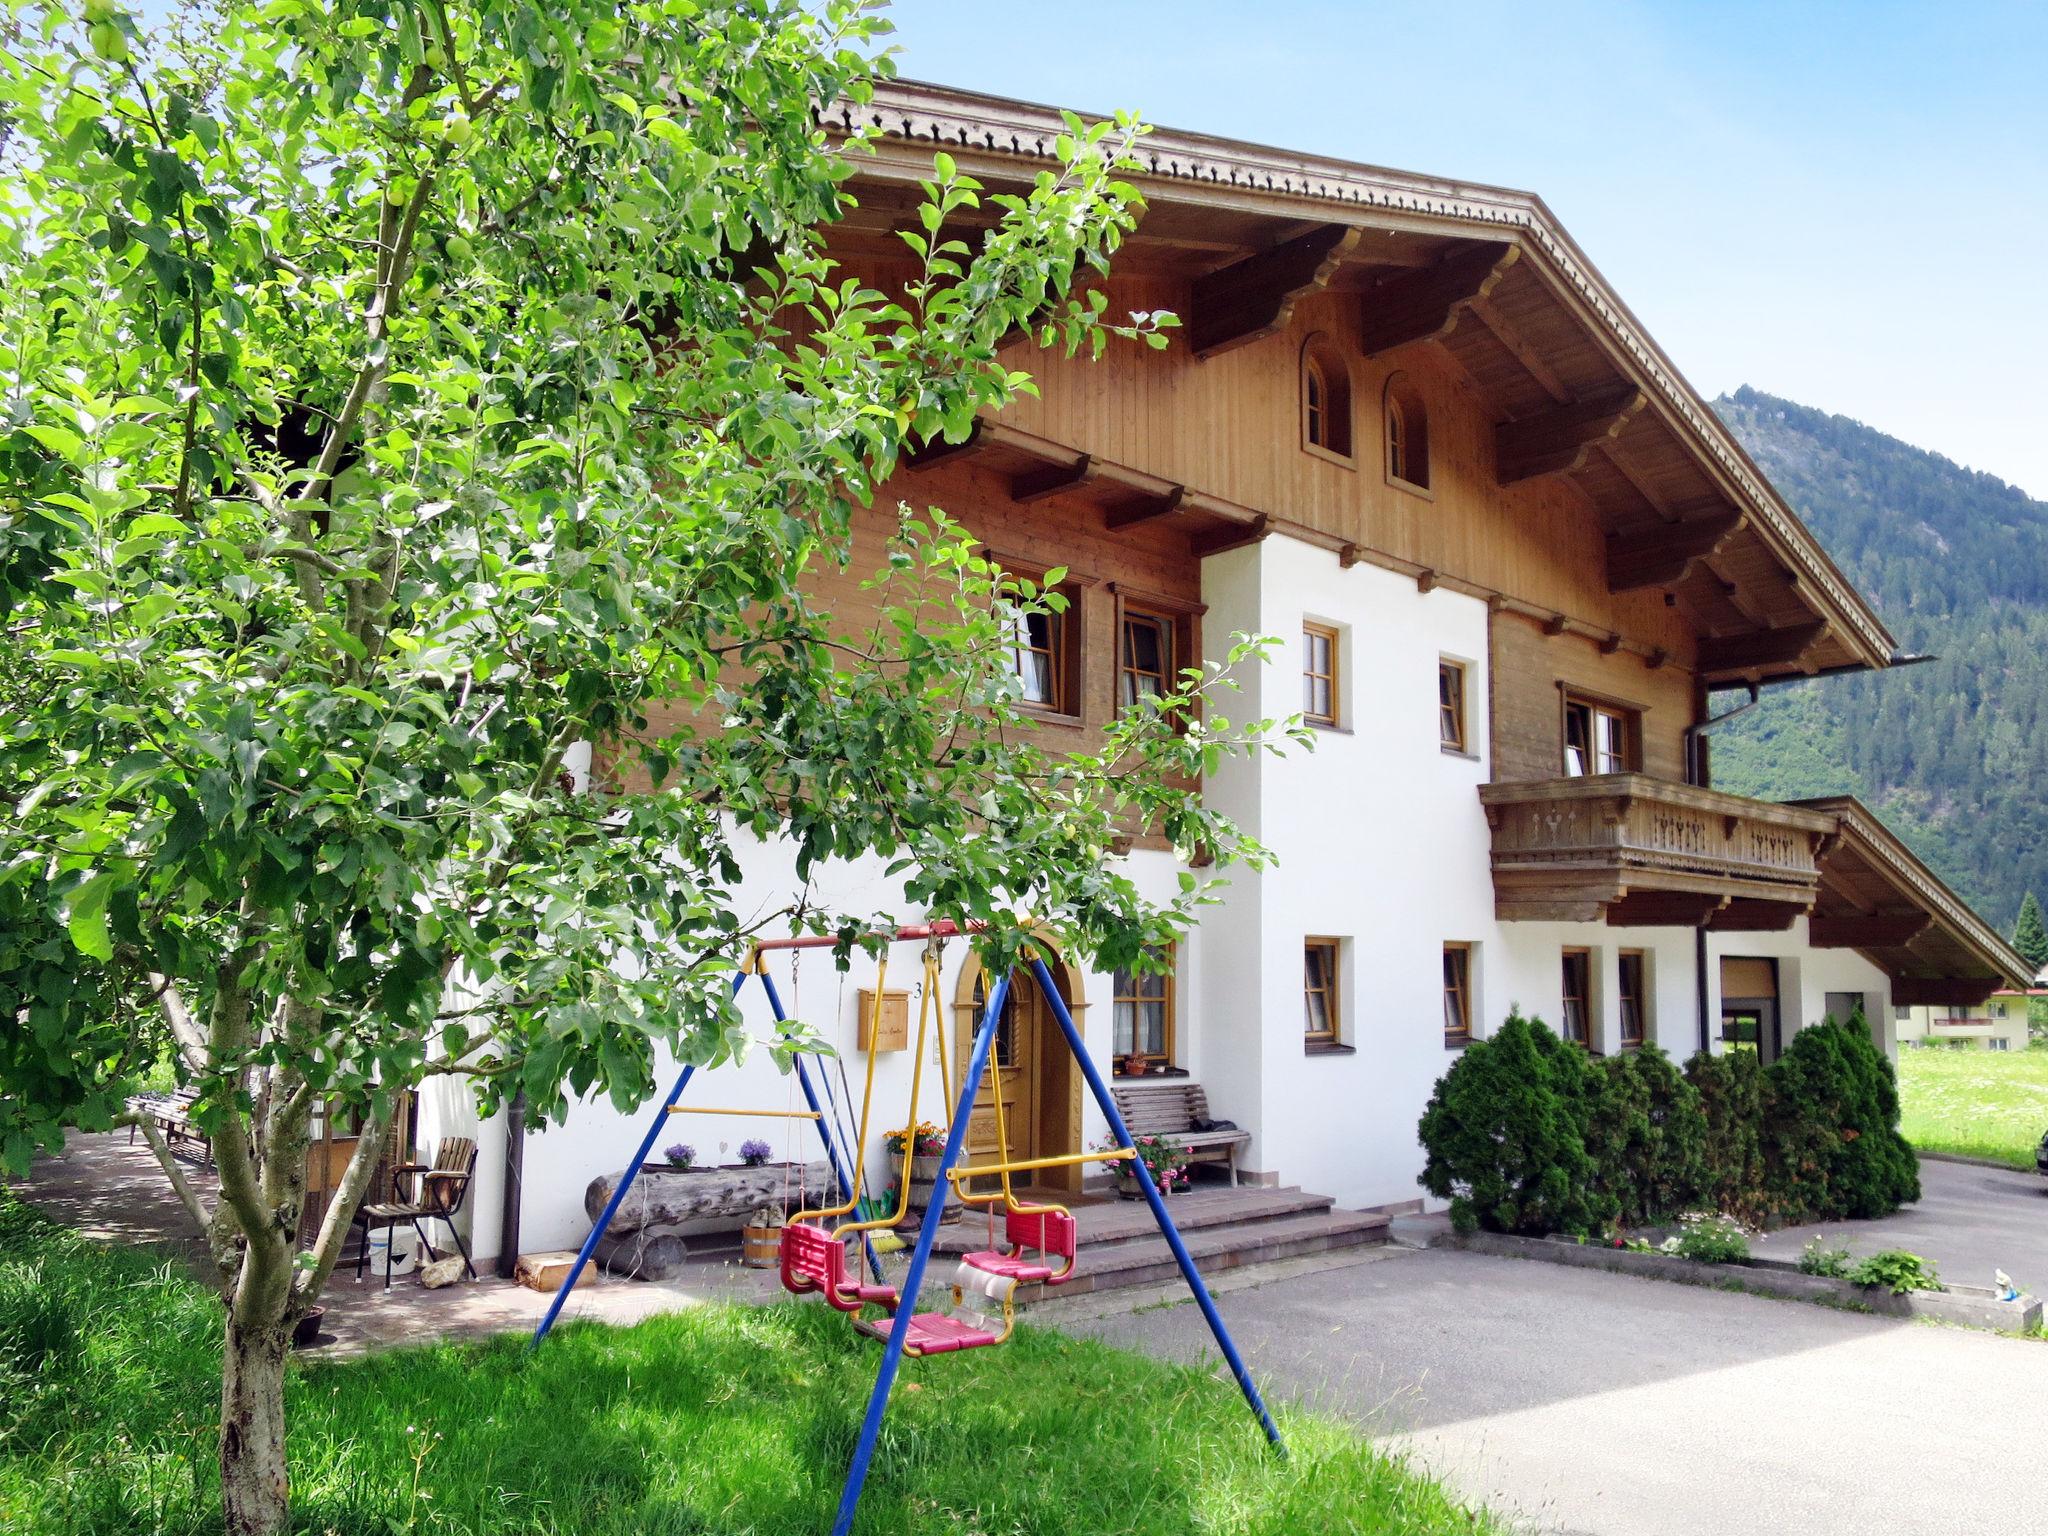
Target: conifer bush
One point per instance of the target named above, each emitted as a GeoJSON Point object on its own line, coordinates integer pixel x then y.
{"type": "Point", "coordinates": [1731, 1097]}
{"type": "Point", "coordinates": [1833, 1120]}
{"type": "Point", "coordinates": [1505, 1146]}
{"type": "Point", "coordinates": [1648, 1136]}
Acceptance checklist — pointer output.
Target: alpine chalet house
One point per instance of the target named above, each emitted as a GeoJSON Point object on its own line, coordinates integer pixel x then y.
{"type": "Point", "coordinates": [1517, 564]}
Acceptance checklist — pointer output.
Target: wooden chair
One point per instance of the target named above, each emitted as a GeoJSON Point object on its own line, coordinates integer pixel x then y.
{"type": "Point", "coordinates": [437, 1193]}
{"type": "Point", "coordinates": [1171, 1108]}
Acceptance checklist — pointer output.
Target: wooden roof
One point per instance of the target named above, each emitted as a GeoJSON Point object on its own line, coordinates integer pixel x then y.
{"type": "Point", "coordinates": [1578, 388]}
{"type": "Point", "coordinates": [1878, 899]}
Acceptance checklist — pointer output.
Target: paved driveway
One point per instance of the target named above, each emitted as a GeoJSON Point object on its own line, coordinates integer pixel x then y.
{"type": "Point", "coordinates": [1596, 1403]}
{"type": "Point", "coordinates": [1971, 1221]}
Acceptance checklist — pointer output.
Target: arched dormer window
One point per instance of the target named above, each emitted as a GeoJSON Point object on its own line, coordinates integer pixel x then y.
{"type": "Point", "coordinates": [1325, 398]}
{"type": "Point", "coordinates": [1407, 434]}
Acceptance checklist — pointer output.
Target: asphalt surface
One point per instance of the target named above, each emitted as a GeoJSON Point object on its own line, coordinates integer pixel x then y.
{"type": "Point", "coordinates": [1584, 1402]}
{"type": "Point", "coordinates": [1971, 1221]}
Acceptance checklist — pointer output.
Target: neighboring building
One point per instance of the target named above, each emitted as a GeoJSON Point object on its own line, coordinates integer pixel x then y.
{"type": "Point", "coordinates": [1999, 1023]}
{"type": "Point", "coordinates": [1408, 429]}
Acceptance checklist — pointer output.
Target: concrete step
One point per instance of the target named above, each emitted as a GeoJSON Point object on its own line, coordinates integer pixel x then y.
{"type": "Point", "coordinates": [1119, 1221]}
{"type": "Point", "coordinates": [1136, 1261]}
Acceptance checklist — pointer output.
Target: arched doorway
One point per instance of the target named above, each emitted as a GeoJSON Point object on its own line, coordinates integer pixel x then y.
{"type": "Point", "coordinates": [1030, 1060]}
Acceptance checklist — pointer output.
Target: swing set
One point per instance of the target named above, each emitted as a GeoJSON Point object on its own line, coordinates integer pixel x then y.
{"type": "Point", "coordinates": [1039, 1241]}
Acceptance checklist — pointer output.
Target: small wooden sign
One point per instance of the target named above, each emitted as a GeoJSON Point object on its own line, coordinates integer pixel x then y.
{"type": "Point", "coordinates": [894, 1034]}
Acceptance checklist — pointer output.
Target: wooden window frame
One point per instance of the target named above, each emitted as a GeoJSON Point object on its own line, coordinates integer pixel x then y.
{"type": "Point", "coordinates": [1311, 631]}
{"type": "Point", "coordinates": [1630, 717]}
{"type": "Point", "coordinates": [1462, 695]}
{"type": "Point", "coordinates": [1129, 616]}
{"type": "Point", "coordinates": [1066, 630]}
{"type": "Point", "coordinates": [1178, 616]}
{"type": "Point", "coordinates": [1398, 434]}
{"type": "Point", "coordinates": [1328, 425]}
{"type": "Point", "coordinates": [1118, 996]}
{"type": "Point", "coordinates": [1584, 957]}
{"type": "Point", "coordinates": [1458, 990]}
{"type": "Point", "coordinates": [1635, 998]}
{"type": "Point", "coordinates": [1331, 990]}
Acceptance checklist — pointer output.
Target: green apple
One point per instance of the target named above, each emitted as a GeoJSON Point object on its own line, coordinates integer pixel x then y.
{"type": "Point", "coordinates": [108, 42]}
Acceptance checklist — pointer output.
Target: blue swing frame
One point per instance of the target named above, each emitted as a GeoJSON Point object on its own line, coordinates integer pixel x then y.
{"type": "Point", "coordinates": [934, 1215]}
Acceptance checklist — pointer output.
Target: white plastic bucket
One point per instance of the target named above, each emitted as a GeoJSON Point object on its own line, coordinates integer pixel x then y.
{"type": "Point", "coordinates": [404, 1250]}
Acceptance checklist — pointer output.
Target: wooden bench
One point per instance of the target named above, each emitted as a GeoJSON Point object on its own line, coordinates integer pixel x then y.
{"type": "Point", "coordinates": [171, 1113]}
{"type": "Point", "coordinates": [1170, 1108]}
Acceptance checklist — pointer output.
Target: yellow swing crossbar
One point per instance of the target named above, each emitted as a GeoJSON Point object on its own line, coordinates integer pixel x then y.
{"type": "Point", "coordinates": [1025, 1165]}
{"type": "Point", "coordinates": [773, 1114]}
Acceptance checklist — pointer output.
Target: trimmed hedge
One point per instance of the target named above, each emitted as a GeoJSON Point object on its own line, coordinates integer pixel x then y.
{"type": "Point", "coordinates": [1530, 1134]}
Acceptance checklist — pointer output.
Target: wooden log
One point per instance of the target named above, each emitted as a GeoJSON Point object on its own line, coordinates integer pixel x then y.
{"type": "Point", "coordinates": [666, 1197]}
{"type": "Point", "coordinates": [643, 1255]}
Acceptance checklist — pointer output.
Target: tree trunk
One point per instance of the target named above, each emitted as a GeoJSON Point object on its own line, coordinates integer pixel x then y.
{"type": "Point", "coordinates": [252, 1466]}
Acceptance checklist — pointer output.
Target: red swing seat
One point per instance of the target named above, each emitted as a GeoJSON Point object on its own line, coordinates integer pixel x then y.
{"type": "Point", "coordinates": [1042, 1235]}
{"type": "Point", "coordinates": [932, 1333]}
{"type": "Point", "coordinates": [814, 1260]}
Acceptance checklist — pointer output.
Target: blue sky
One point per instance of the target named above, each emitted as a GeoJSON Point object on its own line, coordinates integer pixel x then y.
{"type": "Point", "coordinates": [1844, 204]}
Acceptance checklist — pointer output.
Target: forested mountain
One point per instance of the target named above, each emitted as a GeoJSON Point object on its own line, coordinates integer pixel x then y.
{"type": "Point", "coordinates": [1952, 753]}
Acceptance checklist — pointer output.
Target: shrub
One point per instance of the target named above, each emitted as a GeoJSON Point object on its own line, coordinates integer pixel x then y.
{"type": "Point", "coordinates": [1647, 1135]}
{"type": "Point", "coordinates": [1710, 1240]}
{"type": "Point", "coordinates": [1897, 1271]}
{"type": "Point", "coordinates": [38, 1325]}
{"type": "Point", "coordinates": [1832, 1126]}
{"type": "Point", "coordinates": [1731, 1094]}
{"type": "Point", "coordinates": [1505, 1146]}
{"type": "Point", "coordinates": [1833, 1263]}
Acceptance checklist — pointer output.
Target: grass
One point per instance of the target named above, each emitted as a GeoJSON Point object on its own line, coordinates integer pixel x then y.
{"type": "Point", "coordinates": [726, 1419]}
{"type": "Point", "coordinates": [1973, 1103]}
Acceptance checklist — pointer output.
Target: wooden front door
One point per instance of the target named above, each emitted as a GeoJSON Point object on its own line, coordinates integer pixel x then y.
{"type": "Point", "coordinates": [1015, 1066]}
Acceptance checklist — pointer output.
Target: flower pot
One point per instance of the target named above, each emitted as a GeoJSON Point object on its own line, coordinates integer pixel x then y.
{"type": "Point", "coordinates": [760, 1247]}
{"type": "Point", "coordinates": [924, 1178]}
{"type": "Point", "coordinates": [306, 1331]}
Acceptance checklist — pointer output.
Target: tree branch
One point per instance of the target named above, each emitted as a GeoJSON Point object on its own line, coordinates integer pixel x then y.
{"type": "Point", "coordinates": [184, 1028]}
{"type": "Point", "coordinates": [341, 1210]}
{"type": "Point", "coordinates": [180, 1185]}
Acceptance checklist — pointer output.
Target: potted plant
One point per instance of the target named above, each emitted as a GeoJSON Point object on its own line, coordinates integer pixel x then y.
{"type": "Point", "coordinates": [1136, 1065]}
{"type": "Point", "coordinates": [681, 1156]}
{"type": "Point", "coordinates": [754, 1153]}
{"type": "Point", "coordinates": [761, 1237]}
{"type": "Point", "coordinates": [927, 1144]}
{"type": "Point", "coordinates": [1167, 1163]}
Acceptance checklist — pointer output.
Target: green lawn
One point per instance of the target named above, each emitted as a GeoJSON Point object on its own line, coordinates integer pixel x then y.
{"type": "Point", "coordinates": [726, 1420]}
{"type": "Point", "coordinates": [1975, 1103]}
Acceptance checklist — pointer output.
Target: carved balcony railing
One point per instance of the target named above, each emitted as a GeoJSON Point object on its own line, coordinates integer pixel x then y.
{"type": "Point", "coordinates": [1646, 851]}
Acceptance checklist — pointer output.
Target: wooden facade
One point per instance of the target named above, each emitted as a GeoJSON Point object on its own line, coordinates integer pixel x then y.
{"type": "Point", "coordinates": [1428, 377]}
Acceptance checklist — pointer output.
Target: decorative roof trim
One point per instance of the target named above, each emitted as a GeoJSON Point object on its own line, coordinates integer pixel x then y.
{"type": "Point", "coordinates": [1878, 843]}
{"type": "Point", "coordinates": [952, 119]}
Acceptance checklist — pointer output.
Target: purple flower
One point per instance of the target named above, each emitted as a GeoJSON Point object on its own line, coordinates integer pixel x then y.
{"type": "Point", "coordinates": [681, 1155]}
{"type": "Point", "coordinates": [754, 1153]}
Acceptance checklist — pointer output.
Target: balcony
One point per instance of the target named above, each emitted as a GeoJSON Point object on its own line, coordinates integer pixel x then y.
{"type": "Point", "coordinates": [1646, 852]}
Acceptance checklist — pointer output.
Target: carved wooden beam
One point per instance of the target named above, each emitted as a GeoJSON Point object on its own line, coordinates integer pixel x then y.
{"type": "Point", "coordinates": [1764, 648]}
{"type": "Point", "coordinates": [1254, 297]}
{"type": "Point", "coordinates": [1746, 915]}
{"type": "Point", "coordinates": [1423, 304]}
{"type": "Point", "coordinates": [1664, 909]}
{"type": "Point", "coordinates": [1559, 441]}
{"type": "Point", "coordinates": [1146, 510]}
{"type": "Point", "coordinates": [1533, 362]}
{"type": "Point", "coordinates": [1664, 555]}
{"type": "Point", "coordinates": [1877, 930]}
{"type": "Point", "coordinates": [937, 451]}
{"type": "Point", "coordinates": [1037, 484]}
{"type": "Point", "coordinates": [1226, 539]}
{"type": "Point", "coordinates": [1934, 991]}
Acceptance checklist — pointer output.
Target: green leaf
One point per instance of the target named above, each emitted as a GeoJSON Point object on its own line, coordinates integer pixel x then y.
{"type": "Point", "coordinates": [85, 916]}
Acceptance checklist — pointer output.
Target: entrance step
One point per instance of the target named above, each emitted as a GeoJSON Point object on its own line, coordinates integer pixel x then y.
{"type": "Point", "coordinates": [1120, 1244]}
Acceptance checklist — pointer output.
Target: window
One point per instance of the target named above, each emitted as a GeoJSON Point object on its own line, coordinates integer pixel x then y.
{"type": "Point", "coordinates": [1044, 646]}
{"type": "Point", "coordinates": [1146, 668]}
{"type": "Point", "coordinates": [1998, 1043]}
{"type": "Point", "coordinates": [1450, 705]}
{"type": "Point", "coordinates": [1319, 674]}
{"type": "Point", "coordinates": [1457, 994]}
{"type": "Point", "coordinates": [1143, 1014]}
{"type": "Point", "coordinates": [1598, 737]}
{"type": "Point", "coordinates": [1325, 398]}
{"type": "Point", "coordinates": [1407, 434]}
{"type": "Point", "coordinates": [1630, 981]}
{"type": "Point", "coordinates": [1578, 993]}
{"type": "Point", "coordinates": [1319, 991]}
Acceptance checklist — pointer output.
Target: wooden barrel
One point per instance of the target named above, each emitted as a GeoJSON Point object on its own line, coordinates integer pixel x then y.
{"type": "Point", "coordinates": [761, 1247]}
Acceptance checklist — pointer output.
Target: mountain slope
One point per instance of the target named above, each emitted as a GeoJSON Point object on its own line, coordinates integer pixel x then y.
{"type": "Point", "coordinates": [1953, 753]}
